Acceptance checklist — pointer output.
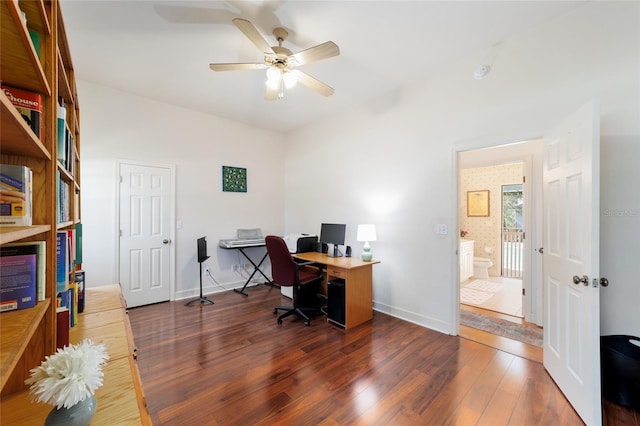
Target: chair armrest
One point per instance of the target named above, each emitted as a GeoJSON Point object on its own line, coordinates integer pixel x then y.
{"type": "Point", "coordinates": [308, 262]}
{"type": "Point", "coordinates": [298, 264]}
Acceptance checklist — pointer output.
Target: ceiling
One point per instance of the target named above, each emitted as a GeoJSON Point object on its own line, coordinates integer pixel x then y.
{"type": "Point", "coordinates": [162, 49]}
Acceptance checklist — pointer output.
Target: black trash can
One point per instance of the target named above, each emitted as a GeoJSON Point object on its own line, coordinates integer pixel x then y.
{"type": "Point", "coordinates": [620, 362]}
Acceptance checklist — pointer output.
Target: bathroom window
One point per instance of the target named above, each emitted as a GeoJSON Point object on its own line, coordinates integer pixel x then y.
{"type": "Point", "coordinates": [512, 231]}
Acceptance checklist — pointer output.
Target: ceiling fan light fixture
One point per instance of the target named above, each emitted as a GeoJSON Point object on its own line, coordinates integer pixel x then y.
{"type": "Point", "coordinates": [289, 79]}
{"type": "Point", "coordinates": [274, 78]}
{"type": "Point", "coordinates": [280, 62]}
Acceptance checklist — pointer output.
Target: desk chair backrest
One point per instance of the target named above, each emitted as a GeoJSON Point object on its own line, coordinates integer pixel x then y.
{"type": "Point", "coordinates": [282, 265]}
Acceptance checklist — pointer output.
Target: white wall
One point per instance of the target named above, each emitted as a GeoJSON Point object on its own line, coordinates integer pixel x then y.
{"type": "Point", "coordinates": [391, 162]}
{"type": "Point", "coordinates": [117, 125]}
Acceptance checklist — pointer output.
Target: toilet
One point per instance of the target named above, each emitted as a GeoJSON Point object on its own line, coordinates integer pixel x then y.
{"type": "Point", "coordinates": [481, 267]}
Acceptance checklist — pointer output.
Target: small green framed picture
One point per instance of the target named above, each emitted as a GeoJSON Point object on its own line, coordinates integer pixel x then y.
{"type": "Point", "coordinates": [234, 179]}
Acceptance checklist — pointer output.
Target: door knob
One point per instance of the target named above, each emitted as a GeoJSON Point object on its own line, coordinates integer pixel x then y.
{"type": "Point", "coordinates": [166, 241]}
{"type": "Point", "coordinates": [541, 250]}
{"type": "Point", "coordinates": [604, 282]}
{"type": "Point", "coordinates": [584, 280]}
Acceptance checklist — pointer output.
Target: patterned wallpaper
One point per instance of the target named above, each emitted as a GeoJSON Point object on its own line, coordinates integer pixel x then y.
{"type": "Point", "coordinates": [485, 231]}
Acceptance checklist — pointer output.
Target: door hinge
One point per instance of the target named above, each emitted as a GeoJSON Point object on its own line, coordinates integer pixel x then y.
{"type": "Point", "coordinates": [120, 232]}
{"type": "Point", "coordinates": [523, 292]}
{"type": "Point", "coordinates": [121, 180]}
{"type": "Point", "coordinates": [524, 179]}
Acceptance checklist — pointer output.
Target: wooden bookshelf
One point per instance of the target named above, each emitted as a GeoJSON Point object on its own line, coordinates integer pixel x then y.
{"type": "Point", "coordinates": [28, 335]}
{"type": "Point", "coordinates": [120, 400]}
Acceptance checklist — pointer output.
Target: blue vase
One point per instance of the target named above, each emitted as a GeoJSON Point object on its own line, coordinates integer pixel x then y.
{"type": "Point", "coordinates": [78, 415]}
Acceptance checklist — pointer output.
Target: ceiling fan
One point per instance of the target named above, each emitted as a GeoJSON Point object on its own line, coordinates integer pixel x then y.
{"type": "Point", "coordinates": [281, 63]}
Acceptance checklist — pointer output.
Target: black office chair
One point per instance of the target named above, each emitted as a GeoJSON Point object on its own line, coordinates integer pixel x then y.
{"type": "Point", "coordinates": [286, 272]}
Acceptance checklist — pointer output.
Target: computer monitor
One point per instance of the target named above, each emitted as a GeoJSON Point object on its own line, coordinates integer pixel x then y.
{"type": "Point", "coordinates": [333, 233]}
{"type": "Point", "coordinates": [202, 249]}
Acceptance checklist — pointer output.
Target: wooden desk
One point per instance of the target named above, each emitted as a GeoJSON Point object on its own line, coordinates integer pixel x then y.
{"type": "Point", "coordinates": [357, 275]}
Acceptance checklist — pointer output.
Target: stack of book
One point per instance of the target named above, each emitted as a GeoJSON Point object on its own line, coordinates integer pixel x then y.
{"type": "Point", "coordinates": [29, 105]}
{"type": "Point", "coordinates": [15, 195]}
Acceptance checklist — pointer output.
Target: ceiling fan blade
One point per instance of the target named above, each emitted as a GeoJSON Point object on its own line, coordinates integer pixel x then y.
{"type": "Point", "coordinates": [253, 34]}
{"type": "Point", "coordinates": [237, 66]}
{"type": "Point", "coordinates": [313, 83]}
{"type": "Point", "coordinates": [322, 51]}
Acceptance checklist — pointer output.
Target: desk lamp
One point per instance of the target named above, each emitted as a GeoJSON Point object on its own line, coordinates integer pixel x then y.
{"type": "Point", "coordinates": [366, 233]}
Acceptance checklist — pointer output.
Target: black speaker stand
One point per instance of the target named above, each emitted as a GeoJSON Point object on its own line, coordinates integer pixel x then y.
{"type": "Point", "coordinates": [201, 299]}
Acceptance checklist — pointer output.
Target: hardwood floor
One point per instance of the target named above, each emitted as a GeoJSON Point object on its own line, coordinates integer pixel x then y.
{"type": "Point", "coordinates": [231, 364]}
{"type": "Point", "coordinates": [531, 352]}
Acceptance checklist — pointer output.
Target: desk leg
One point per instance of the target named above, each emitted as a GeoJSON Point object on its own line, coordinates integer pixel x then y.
{"type": "Point", "coordinates": [256, 268]}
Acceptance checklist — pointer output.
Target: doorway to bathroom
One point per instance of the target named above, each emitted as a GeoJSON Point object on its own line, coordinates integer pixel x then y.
{"type": "Point", "coordinates": [492, 230]}
{"type": "Point", "coordinates": [507, 309]}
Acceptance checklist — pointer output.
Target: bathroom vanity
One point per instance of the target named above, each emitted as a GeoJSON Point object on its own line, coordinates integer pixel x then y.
{"type": "Point", "coordinates": [466, 259]}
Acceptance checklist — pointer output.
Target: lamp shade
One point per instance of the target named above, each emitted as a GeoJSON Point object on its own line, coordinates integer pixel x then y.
{"type": "Point", "coordinates": [366, 232]}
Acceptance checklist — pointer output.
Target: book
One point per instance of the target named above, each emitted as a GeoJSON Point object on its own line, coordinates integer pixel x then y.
{"type": "Point", "coordinates": [71, 247]}
{"type": "Point", "coordinates": [35, 39]}
{"type": "Point", "coordinates": [61, 125]}
{"type": "Point", "coordinates": [68, 161]}
{"type": "Point", "coordinates": [29, 105]}
{"type": "Point", "coordinates": [15, 195]}
{"type": "Point", "coordinates": [62, 299]}
{"type": "Point", "coordinates": [79, 278]}
{"type": "Point", "coordinates": [71, 297]}
{"type": "Point", "coordinates": [62, 200]}
{"type": "Point", "coordinates": [17, 277]}
{"type": "Point", "coordinates": [62, 327]}
{"type": "Point", "coordinates": [41, 266]}
{"type": "Point", "coordinates": [79, 243]}
{"type": "Point", "coordinates": [62, 262]}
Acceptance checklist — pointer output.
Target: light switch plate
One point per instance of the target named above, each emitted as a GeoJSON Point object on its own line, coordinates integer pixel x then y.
{"type": "Point", "coordinates": [441, 229]}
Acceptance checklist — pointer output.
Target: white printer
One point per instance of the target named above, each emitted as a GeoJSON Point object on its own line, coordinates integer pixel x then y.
{"type": "Point", "coordinates": [301, 243]}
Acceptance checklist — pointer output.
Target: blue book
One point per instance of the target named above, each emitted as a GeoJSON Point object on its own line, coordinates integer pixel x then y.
{"type": "Point", "coordinates": [62, 262]}
{"type": "Point", "coordinates": [18, 277]}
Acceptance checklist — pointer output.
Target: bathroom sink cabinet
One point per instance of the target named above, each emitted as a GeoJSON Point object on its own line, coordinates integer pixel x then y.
{"type": "Point", "coordinates": [466, 259]}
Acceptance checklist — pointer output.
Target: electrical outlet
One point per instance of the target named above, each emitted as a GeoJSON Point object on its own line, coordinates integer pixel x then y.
{"type": "Point", "coordinates": [246, 266]}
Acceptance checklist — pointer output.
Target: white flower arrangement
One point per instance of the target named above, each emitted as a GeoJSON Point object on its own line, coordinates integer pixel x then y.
{"type": "Point", "coordinates": [70, 375]}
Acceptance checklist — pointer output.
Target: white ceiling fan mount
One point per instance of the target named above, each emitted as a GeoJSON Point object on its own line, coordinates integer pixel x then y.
{"type": "Point", "coordinates": [281, 63]}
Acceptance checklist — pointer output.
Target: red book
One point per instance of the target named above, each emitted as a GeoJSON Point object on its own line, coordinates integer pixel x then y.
{"type": "Point", "coordinates": [62, 327]}
{"type": "Point", "coordinates": [28, 104]}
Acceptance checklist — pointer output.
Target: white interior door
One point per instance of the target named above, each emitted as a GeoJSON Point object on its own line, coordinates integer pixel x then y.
{"type": "Point", "coordinates": [571, 248]}
{"type": "Point", "coordinates": [145, 219]}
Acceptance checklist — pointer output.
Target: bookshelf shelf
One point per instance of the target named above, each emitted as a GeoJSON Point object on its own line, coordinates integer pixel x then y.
{"type": "Point", "coordinates": [16, 330]}
{"type": "Point", "coordinates": [37, 16]}
{"type": "Point", "coordinates": [63, 225]}
{"type": "Point", "coordinates": [20, 64]}
{"type": "Point", "coordinates": [64, 173]}
{"type": "Point", "coordinates": [17, 136]}
{"type": "Point", "coordinates": [10, 235]}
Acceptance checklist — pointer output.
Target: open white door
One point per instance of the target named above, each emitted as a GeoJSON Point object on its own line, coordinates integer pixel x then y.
{"type": "Point", "coordinates": [571, 248]}
{"type": "Point", "coordinates": [145, 217]}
